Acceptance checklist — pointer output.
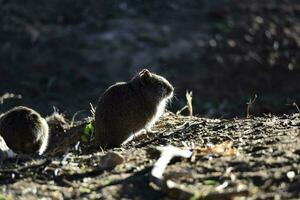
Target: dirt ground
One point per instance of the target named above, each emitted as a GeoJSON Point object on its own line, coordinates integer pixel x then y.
{"type": "Point", "coordinates": [255, 158]}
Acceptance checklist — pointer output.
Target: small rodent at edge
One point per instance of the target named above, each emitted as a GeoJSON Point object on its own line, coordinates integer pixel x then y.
{"type": "Point", "coordinates": [128, 107]}
{"type": "Point", "coordinates": [24, 130]}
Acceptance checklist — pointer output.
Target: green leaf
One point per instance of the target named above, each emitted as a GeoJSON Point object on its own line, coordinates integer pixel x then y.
{"type": "Point", "coordinates": [88, 132]}
{"type": "Point", "coordinates": [4, 197]}
{"type": "Point", "coordinates": [210, 182]}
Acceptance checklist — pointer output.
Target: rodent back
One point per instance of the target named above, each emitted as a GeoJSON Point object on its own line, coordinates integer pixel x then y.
{"type": "Point", "coordinates": [24, 130]}
{"type": "Point", "coordinates": [120, 112]}
{"type": "Point", "coordinates": [124, 103]}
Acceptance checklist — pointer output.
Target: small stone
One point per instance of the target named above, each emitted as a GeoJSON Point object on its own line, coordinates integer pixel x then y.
{"type": "Point", "coordinates": [231, 43]}
{"type": "Point", "coordinates": [111, 160]}
{"type": "Point", "coordinates": [259, 19]}
{"type": "Point", "coordinates": [290, 175]}
{"type": "Point", "coordinates": [212, 43]}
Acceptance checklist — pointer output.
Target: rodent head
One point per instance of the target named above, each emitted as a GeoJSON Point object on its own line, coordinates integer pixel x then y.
{"type": "Point", "coordinates": [154, 86]}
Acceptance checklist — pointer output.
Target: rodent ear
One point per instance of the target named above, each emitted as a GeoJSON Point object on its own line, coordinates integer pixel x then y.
{"type": "Point", "coordinates": [145, 74]}
{"type": "Point", "coordinates": [143, 71]}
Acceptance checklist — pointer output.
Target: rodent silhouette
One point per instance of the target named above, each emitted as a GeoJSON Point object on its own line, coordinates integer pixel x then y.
{"type": "Point", "coordinates": [24, 130]}
{"type": "Point", "coordinates": [126, 108]}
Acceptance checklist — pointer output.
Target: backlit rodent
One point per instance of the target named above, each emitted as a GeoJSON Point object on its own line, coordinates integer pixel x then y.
{"type": "Point", "coordinates": [24, 130]}
{"type": "Point", "coordinates": [128, 107]}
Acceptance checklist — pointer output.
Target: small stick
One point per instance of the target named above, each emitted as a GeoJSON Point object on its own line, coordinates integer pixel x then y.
{"type": "Point", "coordinates": [249, 104]}
{"type": "Point", "coordinates": [189, 98]}
{"type": "Point", "coordinates": [74, 116]}
{"type": "Point", "coordinates": [189, 106]}
{"type": "Point", "coordinates": [92, 110]}
{"type": "Point", "coordinates": [167, 153]}
{"type": "Point", "coordinates": [294, 104]}
{"type": "Point", "coordinates": [182, 109]}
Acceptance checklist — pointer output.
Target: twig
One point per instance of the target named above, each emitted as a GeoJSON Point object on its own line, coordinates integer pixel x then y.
{"type": "Point", "coordinates": [188, 106]}
{"type": "Point", "coordinates": [297, 107]}
{"type": "Point", "coordinates": [167, 153]}
{"type": "Point", "coordinates": [92, 110]}
{"type": "Point", "coordinates": [74, 116]}
{"type": "Point", "coordinates": [228, 136]}
{"type": "Point", "coordinates": [249, 104]}
{"type": "Point", "coordinates": [181, 110]}
{"type": "Point", "coordinates": [189, 98]}
{"type": "Point", "coordinates": [156, 177]}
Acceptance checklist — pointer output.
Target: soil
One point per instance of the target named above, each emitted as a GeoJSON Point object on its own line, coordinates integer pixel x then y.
{"type": "Point", "coordinates": [253, 158]}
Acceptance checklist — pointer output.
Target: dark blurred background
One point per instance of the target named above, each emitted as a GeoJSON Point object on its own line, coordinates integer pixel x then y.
{"type": "Point", "coordinates": [65, 53]}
